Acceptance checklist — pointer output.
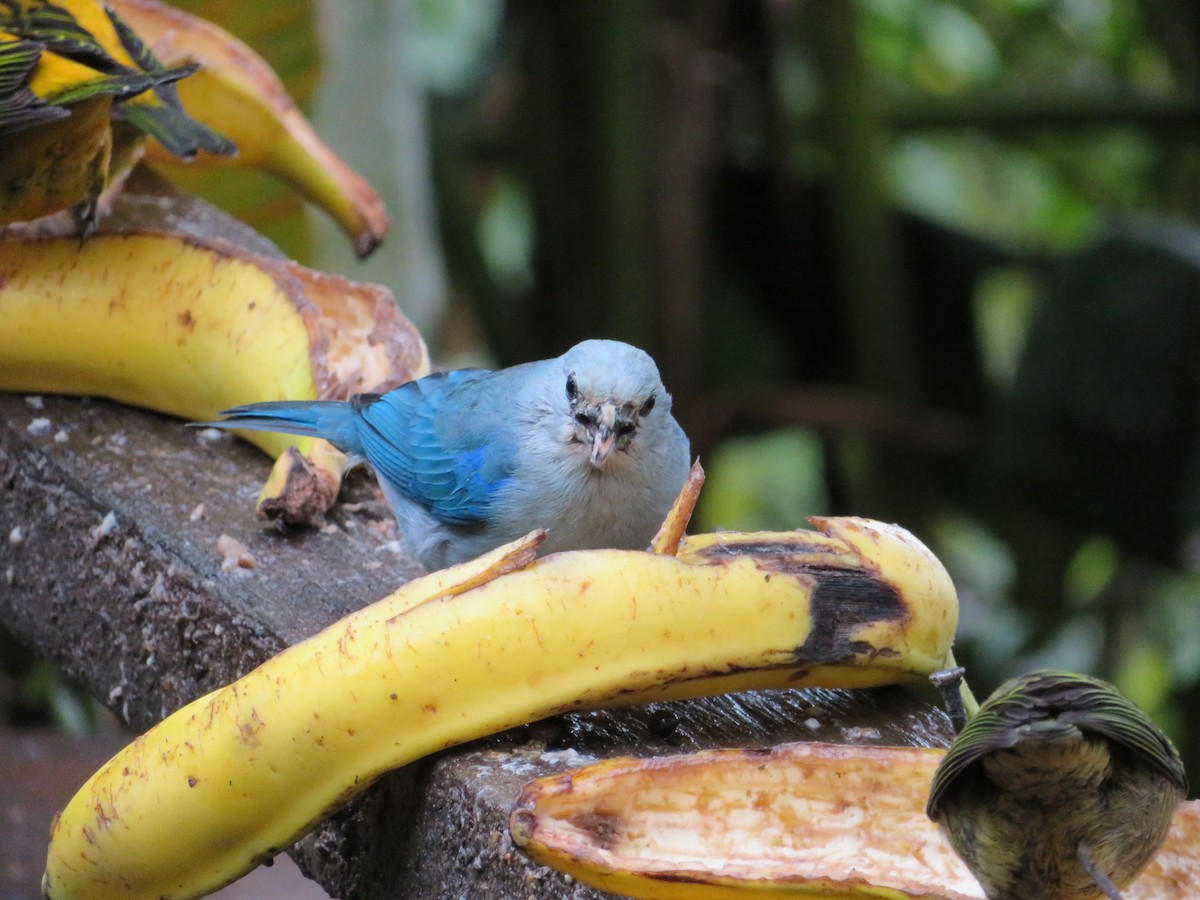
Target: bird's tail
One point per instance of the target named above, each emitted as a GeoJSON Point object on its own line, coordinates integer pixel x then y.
{"type": "Point", "coordinates": [332, 420]}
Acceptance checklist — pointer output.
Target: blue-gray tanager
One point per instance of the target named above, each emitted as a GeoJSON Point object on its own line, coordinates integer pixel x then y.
{"type": "Point", "coordinates": [583, 445]}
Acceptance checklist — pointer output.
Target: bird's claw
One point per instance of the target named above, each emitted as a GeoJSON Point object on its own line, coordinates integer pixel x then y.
{"type": "Point", "coordinates": [949, 683]}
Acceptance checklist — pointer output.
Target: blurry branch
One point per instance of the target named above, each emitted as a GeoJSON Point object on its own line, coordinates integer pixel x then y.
{"type": "Point", "coordinates": [832, 410]}
{"type": "Point", "coordinates": [495, 310]}
{"type": "Point", "coordinates": [625, 160]}
{"type": "Point", "coordinates": [1178, 114]}
{"type": "Point", "coordinates": [884, 358]}
{"type": "Point", "coordinates": [585, 152]}
{"type": "Point", "coordinates": [686, 143]}
{"type": "Point", "coordinates": [1016, 114]}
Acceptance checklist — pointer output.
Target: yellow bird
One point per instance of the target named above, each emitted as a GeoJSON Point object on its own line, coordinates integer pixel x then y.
{"type": "Point", "coordinates": [67, 71]}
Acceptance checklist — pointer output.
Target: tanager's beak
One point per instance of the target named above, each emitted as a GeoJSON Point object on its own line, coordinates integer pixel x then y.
{"type": "Point", "coordinates": [604, 433]}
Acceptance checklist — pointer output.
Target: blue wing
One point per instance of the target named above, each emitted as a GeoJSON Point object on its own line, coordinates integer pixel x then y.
{"type": "Point", "coordinates": [444, 441]}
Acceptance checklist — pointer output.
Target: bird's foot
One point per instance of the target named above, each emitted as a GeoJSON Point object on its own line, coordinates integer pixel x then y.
{"type": "Point", "coordinates": [949, 682]}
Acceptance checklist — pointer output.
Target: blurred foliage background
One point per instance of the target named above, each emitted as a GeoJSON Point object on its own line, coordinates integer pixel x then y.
{"type": "Point", "coordinates": [930, 261]}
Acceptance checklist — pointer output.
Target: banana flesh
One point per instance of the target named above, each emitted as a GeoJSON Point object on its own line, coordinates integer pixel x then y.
{"type": "Point", "coordinates": [798, 820]}
{"type": "Point", "coordinates": [191, 327]}
{"type": "Point", "coordinates": [493, 643]}
{"type": "Point", "coordinates": [237, 94]}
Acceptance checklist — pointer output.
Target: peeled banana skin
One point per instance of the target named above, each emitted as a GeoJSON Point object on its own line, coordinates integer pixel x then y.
{"type": "Point", "coordinates": [788, 822]}
{"type": "Point", "coordinates": [189, 326]}
{"type": "Point", "coordinates": [238, 775]}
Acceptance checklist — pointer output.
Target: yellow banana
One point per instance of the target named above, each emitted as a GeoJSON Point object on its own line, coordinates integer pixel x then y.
{"type": "Point", "coordinates": [798, 820]}
{"type": "Point", "coordinates": [877, 564]}
{"type": "Point", "coordinates": [190, 327]}
{"type": "Point", "coordinates": [237, 94]}
{"type": "Point", "coordinates": [496, 642]}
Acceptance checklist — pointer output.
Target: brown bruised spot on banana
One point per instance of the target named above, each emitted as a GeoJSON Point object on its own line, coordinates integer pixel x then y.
{"type": "Point", "coordinates": [190, 326]}
{"type": "Point", "coordinates": [798, 820]}
{"type": "Point", "coordinates": [500, 641]}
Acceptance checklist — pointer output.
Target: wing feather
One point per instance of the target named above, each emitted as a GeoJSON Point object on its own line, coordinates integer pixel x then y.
{"type": "Point", "coordinates": [446, 441]}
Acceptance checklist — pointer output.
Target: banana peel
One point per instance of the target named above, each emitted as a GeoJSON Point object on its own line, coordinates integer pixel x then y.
{"type": "Point", "coordinates": [796, 820]}
{"type": "Point", "coordinates": [237, 94]}
{"type": "Point", "coordinates": [808, 819]}
{"type": "Point", "coordinates": [189, 326]}
{"type": "Point", "coordinates": [674, 527]}
{"type": "Point", "coordinates": [861, 610]}
{"type": "Point", "coordinates": [467, 651]}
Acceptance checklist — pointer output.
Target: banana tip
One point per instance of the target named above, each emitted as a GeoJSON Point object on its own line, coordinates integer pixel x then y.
{"type": "Point", "coordinates": [367, 243]}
